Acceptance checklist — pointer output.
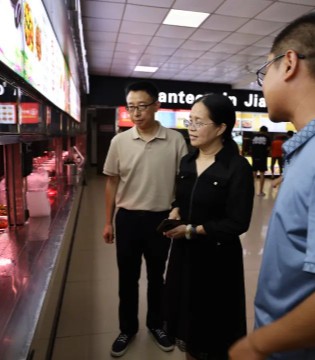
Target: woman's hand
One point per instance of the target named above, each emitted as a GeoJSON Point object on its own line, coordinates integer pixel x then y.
{"type": "Point", "coordinates": [177, 232]}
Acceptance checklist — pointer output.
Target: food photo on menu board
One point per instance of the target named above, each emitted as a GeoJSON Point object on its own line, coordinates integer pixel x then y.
{"type": "Point", "coordinates": [7, 113]}
{"type": "Point", "coordinates": [11, 47]}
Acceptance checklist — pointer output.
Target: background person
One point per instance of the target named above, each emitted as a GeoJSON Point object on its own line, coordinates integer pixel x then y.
{"type": "Point", "coordinates": [276, 155]}
{"type": "Point", "coordinates": [141, 167]}
{"type": "Point", "coordinates": [205, 296]}
{"type": "Point", "coordinates": [260, 148]}
{"type": "Point", "coordinates": [285, 298]}
{"type": "Point", "coordinates": [276, 182]}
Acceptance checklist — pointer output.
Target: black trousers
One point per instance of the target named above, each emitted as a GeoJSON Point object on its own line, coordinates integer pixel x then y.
{"type": "Point", "coordinates": [280, 164]}
{"type": "Point", "coordinates": [136, 236]}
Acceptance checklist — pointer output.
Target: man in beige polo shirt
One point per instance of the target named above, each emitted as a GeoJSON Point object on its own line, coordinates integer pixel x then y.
{"type": "Point", "coordinates": [141, 166]}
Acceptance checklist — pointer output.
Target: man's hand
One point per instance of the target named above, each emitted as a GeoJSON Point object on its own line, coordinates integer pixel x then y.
{"type": "Point", "coordinates": [108, 234]}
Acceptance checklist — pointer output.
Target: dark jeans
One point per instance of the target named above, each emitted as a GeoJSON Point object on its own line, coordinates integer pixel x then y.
{"type": "Point", "coordinates": [136, 236]}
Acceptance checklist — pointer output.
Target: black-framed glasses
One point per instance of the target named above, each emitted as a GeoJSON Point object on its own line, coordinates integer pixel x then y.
{"type": "Point", "coordinates": [142, 107]}
{"type": "Point", "coordinates": [261, 72]}
{"type": "Point", "coordinates": [196, 125]}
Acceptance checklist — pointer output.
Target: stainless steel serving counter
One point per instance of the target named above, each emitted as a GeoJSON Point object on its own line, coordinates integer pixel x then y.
{"type": "Point", "coordinates": [33, 264]}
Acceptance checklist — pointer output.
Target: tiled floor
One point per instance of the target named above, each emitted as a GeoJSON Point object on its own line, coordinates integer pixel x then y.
{"type": "Point", "coordinates": [89, 321]}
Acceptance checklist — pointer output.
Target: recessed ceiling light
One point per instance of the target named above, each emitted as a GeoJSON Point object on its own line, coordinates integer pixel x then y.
{"type": "Point", "coordinates": [185, 18]}
{"type": "Point", "coordinates": [146, 68]}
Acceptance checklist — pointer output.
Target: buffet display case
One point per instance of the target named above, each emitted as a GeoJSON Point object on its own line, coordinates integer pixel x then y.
{"type": "Point", "coordinates": [42, 158]}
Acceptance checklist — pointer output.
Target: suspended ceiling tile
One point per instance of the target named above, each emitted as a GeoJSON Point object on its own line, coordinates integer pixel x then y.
{"type": "Point", "coordinates": [255, 50]}
{"type": "Point", "coordinates": [134, 39]}
{"type": "Point", "coordinates": [301, 2]}
{"type": "Point", "coordinates": [195, 5]}
{"type": "Point", "coordinates": [104, 10]}
{"type": "Point", "coordinates": [242, 39]}
{"type": "Point", "coordinates": [284, 12]}
{"type": "Point", "coordinates": [101, 24]}
{"type": "Point", "coordinates": [147, 14]}
{"type": "Point", "coordinates": [225, 23]}
{"type": "Point", "coordinates": [99, 36]}
{"type": "Point", "coordinates": [101, 45]}
{"type": "Point", "coordinates": [209, 35]}
{"type": "Point", "coordinates": [243, 8]}
{"type": "Point", "coordinates": [100, 62]}
{"type": "Point", "coordinates": [260, 27]}
{"type": "Point", "coordinates": [159, 50]}
{"type": "Point", "coordinates": [171, 66]}
{"type": "Point", "coordinates": [173, 43]}
{"type": "Point", "coordinates": [188, 53]}
{"type": "Point", "coordinates": [178, 32]}
{"type": "Point", "coordinates": [265, 42]}
{"type": "Point", "coordinates": [177, 59]}
{"type": "Point", "coordinates": [154, 60]}
{"type": "Point", "coordinates": [122, 56]}
{"type": "Point", "coordinates": [114, 1]}
{"type": "Point", "coordinates": [121, 72]}
{"type": "Point", "coordinates": [206, 62]}
{"type": "Point", "coordinates": [159, 3]}
{"type": "Point", "coordinates": [242, 58]}
{"type": "Point", "coordinates": [197, 45]}
{"type": "Point", "coordinates": [109, 47]}
{"type": "Point", "coordinates": [227, 48]}
{"type": "Point", "coordinates": [215, 55]}
{"type": "Point", "coordinates": [130, 48]}
{"type": "Point", "coordinates": [137, 27]}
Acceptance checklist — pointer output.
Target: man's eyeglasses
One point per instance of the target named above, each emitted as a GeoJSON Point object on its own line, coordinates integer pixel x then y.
{"type": "Point", "coordinates": [196, 125]}
{"type": "Point", "coordinates": [261, 72]}
{"type": "Point", "coordinates": [142, 107]}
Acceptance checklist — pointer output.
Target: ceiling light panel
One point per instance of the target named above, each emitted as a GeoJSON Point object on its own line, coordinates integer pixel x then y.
{"type": "Point", "coordinates": [185, 18]}
{"type": "Point", "coordinates": [149, 69]}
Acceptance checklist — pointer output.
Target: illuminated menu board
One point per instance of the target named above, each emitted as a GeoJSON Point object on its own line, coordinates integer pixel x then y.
{"type": "Point", "coordinates": [29, 47]}
{"type": "Point", "coordinates": [245, 121]}
{"type": "Point", "coordinates": [168, 118]}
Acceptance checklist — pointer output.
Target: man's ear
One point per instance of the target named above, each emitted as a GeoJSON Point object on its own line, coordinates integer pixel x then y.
{"type": "Point", "coordinates": [158, 105]}
{"type": "Point", "coordinates": [290, 64]}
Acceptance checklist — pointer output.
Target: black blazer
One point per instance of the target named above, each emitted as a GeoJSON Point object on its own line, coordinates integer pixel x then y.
{"type": "Point", "coordinates": [221, 198]}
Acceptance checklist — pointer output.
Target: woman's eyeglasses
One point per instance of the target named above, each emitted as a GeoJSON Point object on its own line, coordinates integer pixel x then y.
{"type": "Point", "coordinates": [196, 125]}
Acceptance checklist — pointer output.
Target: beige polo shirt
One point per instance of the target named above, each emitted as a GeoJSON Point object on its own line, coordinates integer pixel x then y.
{"type": "Point", "coordinates": [147, 170]}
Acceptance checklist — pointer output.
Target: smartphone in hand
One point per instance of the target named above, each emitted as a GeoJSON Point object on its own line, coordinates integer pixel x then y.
{"type": "Point", "coordinates": [168, 224]}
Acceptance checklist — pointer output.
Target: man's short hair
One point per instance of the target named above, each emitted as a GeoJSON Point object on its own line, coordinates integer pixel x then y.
{"type": "Point", "coordinates": [263, 128]}
{"type": "Point", "coordinates": [299, 36]}
{"type": "Point", "coordinates": [146, 86]}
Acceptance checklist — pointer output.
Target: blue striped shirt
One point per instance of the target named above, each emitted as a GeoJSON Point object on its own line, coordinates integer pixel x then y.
{"type": "Point", "coordinates": [287, 274]}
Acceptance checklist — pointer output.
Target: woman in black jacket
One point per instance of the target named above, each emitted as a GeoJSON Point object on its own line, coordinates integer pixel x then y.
{"type": "Point", "coordinates": [205, 294]}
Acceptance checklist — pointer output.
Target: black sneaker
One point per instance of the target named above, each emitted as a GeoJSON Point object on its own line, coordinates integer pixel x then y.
{"type": "Point", "coordinates": [161, 339]}
{"type": "Point", "coordinates": [120, 345]}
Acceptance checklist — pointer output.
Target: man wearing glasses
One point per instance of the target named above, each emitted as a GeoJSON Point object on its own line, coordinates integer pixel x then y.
{"type": "Point", "coordinates": [285, 298]}
{"type": "Point", "coordinates": [140, 168]}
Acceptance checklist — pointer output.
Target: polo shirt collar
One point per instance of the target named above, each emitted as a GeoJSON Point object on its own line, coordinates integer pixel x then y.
{"type": "Point", "coordinates": [299, 139]}
{"type": "Point", "coordinates": [161, 133]}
